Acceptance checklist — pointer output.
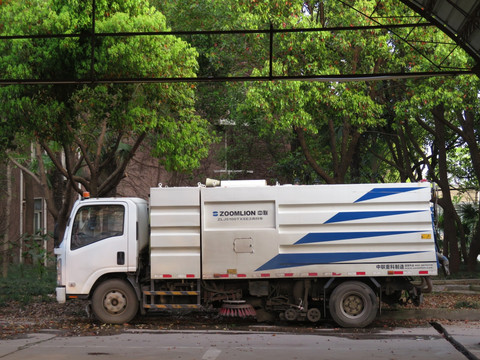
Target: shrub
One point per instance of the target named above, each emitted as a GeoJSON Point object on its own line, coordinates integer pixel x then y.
{"type": "Point", "coordinates": [25, 283]}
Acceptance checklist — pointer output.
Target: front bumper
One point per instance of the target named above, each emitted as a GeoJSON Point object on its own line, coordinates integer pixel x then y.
{"type": "Point", "coordinates": [61, 294]}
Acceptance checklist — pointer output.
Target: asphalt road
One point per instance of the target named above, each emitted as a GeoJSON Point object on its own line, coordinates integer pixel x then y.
{"type": "Point", "coordinates": [401, 343]}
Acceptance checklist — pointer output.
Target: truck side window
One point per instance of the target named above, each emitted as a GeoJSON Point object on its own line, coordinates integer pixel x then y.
{"type": "Point", "coordinates": [93, 223]}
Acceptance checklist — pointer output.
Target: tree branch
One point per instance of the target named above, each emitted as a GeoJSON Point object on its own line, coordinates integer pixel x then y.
{"type": "Point", "coordinates": [70, 172]}
{"type": "Point", "coordinates": [301, 139]}
{"type": "Point", "coordinates": [25, 169]}
{"type": "Point", "coordinates": [333, 145]}
{"type": "Point", "coordinates": [419, 150]}
{"type": "Point", "coordinates": [83, 149]}
{"type": "Point", "coordinates": [113, 180]}
{"type": "Point", "coordinates": [348, 149]}
{"type": "Point", "coordinates": [100, 142]}
{"type": "Point", "coordinates": [43, 176]}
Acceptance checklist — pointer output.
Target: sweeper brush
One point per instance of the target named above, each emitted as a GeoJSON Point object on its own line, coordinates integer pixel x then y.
{"type": "Point", "coordinates": [237, 308]}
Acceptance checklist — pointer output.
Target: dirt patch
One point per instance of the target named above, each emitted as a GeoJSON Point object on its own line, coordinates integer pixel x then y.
{"type": "Point", "coordinates": [71, 319]}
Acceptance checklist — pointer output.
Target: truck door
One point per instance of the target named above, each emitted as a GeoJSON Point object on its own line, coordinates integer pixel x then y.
{"type": "Point", "coordinates": [98, 245]}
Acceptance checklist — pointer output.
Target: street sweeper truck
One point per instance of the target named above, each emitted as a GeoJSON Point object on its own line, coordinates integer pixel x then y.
{"type": "Point", "coordinates": [308, 252]}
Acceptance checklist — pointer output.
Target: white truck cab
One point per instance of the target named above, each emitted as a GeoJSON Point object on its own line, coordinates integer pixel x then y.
{"type": "Point", "coordinates": [103, 237]}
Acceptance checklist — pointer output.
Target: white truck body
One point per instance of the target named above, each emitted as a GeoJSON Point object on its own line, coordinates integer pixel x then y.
{"type": "Point", "coordinates": [297, 231]}
{"type": "Point", "coordinates": [240, 233]}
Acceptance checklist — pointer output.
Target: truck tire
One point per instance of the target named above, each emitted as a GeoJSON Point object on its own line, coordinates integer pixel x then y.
{"type": "Point", "coordinates": [353, 304]}
{"type": "Point", "coordinates": [114, 302]}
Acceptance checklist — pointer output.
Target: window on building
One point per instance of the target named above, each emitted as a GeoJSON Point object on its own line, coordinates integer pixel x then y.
{"type": "Point", "coordinates": [38, 216]}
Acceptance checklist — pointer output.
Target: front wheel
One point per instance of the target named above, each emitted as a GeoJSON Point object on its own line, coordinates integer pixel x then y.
{"type": "Point", "coordinates": [353, 304]}
{"type": "Point", "coordinates": [114, 302]}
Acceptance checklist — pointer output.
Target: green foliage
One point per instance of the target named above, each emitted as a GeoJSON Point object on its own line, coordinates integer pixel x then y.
{"type": "Point", "coordinates": [461, 169]}
{"type": "Point", "coordinates": [293, 169]}
{"type": "Point", "coordinates": [100, 120]}
{"type": "Point", "coordinates": [25, 284]}
{"type": "Point", "coordinates": [336, 131]}
{"type": "Point", "coordinates": [469, 216]}
{"type": "Point", "coordinates": [353, 108]}
{"type": "Point", "coordinates": [332, 115]}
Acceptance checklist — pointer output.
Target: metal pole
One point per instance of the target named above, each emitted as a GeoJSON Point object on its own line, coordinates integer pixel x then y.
{"type": "Point", "coordinates": [271, 51]}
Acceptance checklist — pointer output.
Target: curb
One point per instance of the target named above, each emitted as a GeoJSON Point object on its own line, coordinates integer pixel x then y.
{"type": "Point", "coordinates": [457, 289]}
{"type": "Point", "coordinates": [466, 286]}
{"type": "Point", "coordinates": [475, 287]}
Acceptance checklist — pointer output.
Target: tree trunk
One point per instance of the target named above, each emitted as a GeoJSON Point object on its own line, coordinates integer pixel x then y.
{"type": "Point", "coordinates": [310, 159]}
{"type": "Point", "coordinates": [63, 213]}
{"type": "Point", "coordinates": [470, 136]}
{"type": "Point", "coordinates": [450, 232]}
{"type": "Point", "coordinates": [468, 132]}
{"type": "Point", "coordinates": [461, 237]}
{"type": "Point", "coordinates": [450, 228]}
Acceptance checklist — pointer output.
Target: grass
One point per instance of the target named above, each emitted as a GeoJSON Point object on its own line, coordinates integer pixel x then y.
{"type": "Point", "coordinates": [27, 283]}
{"type": "Point", "coordinates": [467, 305]}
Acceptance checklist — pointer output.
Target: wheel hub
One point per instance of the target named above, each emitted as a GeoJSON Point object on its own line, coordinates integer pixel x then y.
{"type": "Point", "coordinates": [314, 315]}
{"type": "Point", "coordinates": [291, 314]}
{"type": "Point", "coordinates": [115, 302]}
{"type": "Point", "coordinates": [353, 305]}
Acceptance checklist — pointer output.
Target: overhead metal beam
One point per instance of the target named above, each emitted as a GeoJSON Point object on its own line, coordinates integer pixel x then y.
{"type": "Point", "coordinates": [271, 32]}
{"type": "Point", "coordinates": [425, 8]}
{"type": "Point", "coordinates": [460, 20]}
{"type": "Point", "coordinates": [318, 78]}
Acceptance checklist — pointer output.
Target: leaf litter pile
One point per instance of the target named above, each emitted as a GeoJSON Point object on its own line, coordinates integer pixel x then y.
{"type": "Point", "coordinates": [71, 319]}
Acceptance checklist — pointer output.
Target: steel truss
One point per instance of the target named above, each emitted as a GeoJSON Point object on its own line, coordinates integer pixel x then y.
{"type": "Point", "coordinates": [382, 23]}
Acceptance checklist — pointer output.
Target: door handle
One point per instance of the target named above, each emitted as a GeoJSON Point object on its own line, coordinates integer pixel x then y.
{"type": "Point", "coordinates": [121, 258]}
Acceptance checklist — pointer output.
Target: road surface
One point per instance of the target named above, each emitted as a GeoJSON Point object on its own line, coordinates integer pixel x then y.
{"type": "Point", "coordinates": [258, 343]}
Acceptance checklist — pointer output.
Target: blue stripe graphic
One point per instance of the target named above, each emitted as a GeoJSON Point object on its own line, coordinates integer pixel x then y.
{"type": "Point", "coordinates": [358, 215]}
{"type": "Point", "coordinates": [304, 259]}
{"type": "Point", "coordinates": [381, 192]}
{"type": "Point", "coordinates": [333, 236]}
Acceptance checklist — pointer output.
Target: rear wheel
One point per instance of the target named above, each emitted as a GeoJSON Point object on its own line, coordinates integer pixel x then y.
{"type": "Point", "coordinates": [114, 302]}
{"type": "Point", "coordinates": [353, 304]}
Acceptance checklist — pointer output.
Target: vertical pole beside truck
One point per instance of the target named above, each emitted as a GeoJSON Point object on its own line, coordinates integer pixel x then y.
{"type": "Point", "coordinates": [307, 252]}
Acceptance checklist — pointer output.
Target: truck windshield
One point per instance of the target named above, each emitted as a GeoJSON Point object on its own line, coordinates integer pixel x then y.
{"type": "Point", "coordinates": [93, 223]}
